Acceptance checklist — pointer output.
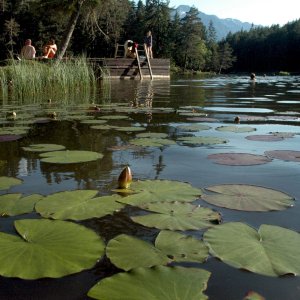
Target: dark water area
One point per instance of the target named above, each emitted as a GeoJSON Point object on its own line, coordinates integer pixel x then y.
{"type": "Point", "coordinates": [271, 104]}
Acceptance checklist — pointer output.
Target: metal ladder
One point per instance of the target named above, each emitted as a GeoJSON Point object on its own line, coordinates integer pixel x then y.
{"type": "Point", "coordinates": [117, 55]}
{"type": "Point", "coordinates": [147, 60]}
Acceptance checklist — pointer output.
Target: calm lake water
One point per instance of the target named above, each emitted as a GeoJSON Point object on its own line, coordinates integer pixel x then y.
{"type": "Point", "coordinates": [270, 105]}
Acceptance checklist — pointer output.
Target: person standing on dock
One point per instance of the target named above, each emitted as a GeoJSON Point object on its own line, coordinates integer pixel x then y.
{"type": "Point", "coordinates": [148, 44]}
{"type": "Point", "coordinates": [28, 51]}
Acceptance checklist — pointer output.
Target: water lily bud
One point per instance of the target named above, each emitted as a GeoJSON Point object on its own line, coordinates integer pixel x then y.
{"type": "Point", "coordinates": [125, 178]}
{"type": "Point", "coordinates": [52, 115]}
{"type": "Point", "coordinates": [237, 120]}
{"type": "Point", "coordinates": [11, 115]}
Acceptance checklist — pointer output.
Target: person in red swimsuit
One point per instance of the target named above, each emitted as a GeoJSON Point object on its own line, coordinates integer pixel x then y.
{"type": "Point", "coordinates": [50, 49]}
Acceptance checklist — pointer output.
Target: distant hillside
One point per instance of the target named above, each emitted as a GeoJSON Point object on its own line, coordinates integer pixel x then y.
{"type": "Point", "coordinates": [222, 26]}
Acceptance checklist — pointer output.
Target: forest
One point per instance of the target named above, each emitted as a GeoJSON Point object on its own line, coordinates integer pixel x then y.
{"type": "Point", "coordinates": [93, 27]}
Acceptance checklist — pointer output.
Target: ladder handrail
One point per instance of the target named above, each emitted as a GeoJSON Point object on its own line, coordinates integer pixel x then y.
{"type": "Point", "coordinates": [148, 61]}
{"type": "Point", "coordinates": [139, 64]}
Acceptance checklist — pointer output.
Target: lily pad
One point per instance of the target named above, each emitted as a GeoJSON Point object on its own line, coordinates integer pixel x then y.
{"type": "Point", "coordinates": [161, 190]}
{"type": "Point", "coordinates": [287, 155]}
{"type": "Point", "coordinates": [43, 148]}
{"type": "Point", "coordinates": [177, 216]}
{"type": "Point", "coordinates": [93, 122]}
{"type": "Point", "coordinates": [265, 138]}
{"type": "Point", "coordinates": [152, 142]}
{"type": "Point", "coordinates": [157, 135]}
{"type": "Point", "coordinates": [193, 128]}
{"type": "Point", "coordinates": [14, 204]}
{"type": "Point", "coordinates": [128, 252]}
{"type": "Point", "coordinates": [271, 251]}
{"type": "Point", "coordinates": [14, 130]}
{"type": "Point", "coordinates": [203, 119]}
{"type": "Point", "coordinates": [201, 140]}
{"type": "Point", "coordinates": [159, 283]}
{"type": "Point", "coordinates": [130, 128]}
{"type": "Point", "coordinates": [284, 134]}
{"type": "Point", "coordinates": [78, 205]}
{"type": "Point", "coordinates": [248, 197]}
{"type": "Point", "coordinates": [69, 156]}
{"type": "Point", "coordinates": [253, 296]}
{"type": "Point", "coordinates": [180, 247]}
{"type": "Point", "coordinates": [238, 159]}
{"type": "Point", "coordinates": [46, 248]}
{"type": "Point", "coordinates": [7, 182]}
{"type": "Point", "coordinates": [237, 129]}
{"type": "Point", "coordinates": [10, 137]}
{"type": "Point", "coordinates": [115, 117]}
{"type": "Point", "coordinates": [103, 127]}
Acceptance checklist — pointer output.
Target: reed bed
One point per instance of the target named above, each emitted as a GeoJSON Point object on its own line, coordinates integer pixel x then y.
{"type": "Point", "coordinates": [35, 79]}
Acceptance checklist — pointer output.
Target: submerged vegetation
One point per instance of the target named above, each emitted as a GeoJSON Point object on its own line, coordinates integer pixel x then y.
{"type": "Point", "coordinates": [21, 79]}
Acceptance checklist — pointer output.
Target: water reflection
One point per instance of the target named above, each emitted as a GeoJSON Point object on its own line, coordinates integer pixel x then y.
{"type": "Point", "coordinates": [269, 105]}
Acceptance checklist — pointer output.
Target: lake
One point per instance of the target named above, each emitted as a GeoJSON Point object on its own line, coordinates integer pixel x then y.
{"type": "Point", "coordinates": [269, 119]}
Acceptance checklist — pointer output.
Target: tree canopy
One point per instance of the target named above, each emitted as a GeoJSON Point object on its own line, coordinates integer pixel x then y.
{"type": "Point", "coordinates": [93, 27]}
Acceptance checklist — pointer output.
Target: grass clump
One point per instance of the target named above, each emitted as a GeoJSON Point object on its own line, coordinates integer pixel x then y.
{"type": "Point", "coordinates": [21, 79]}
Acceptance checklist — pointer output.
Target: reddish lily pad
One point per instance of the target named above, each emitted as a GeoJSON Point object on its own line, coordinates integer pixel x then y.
{"type": "Point", "coordinates": [9, 137]}
{"type": "Point", "coordinates": [253, 296]}
{"type": "Point", "coordinates": [284, 134]}
{"type": "Point", "coordinates": [238, 159]}
{"type": "Point", "coordinates": [264, 138]}
{"type": "Point", "coordinates": [288, 155]}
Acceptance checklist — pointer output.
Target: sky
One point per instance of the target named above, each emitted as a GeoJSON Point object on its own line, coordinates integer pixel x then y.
{"type": "Point", "coordinates": [259, 12]}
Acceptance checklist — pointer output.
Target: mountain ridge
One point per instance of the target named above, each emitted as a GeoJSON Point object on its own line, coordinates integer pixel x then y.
{"type": "Point", "coordinates": [222, 26]}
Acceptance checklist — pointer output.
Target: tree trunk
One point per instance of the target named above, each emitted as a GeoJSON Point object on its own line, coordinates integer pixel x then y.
{"type": "Point", "coordinates": [69, 30]}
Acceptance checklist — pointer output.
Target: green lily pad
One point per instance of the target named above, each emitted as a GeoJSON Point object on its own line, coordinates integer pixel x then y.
{"type": "Point", "coordinates": [161, 190]}
{"type": "Point", "coordinates": [14, 204]}
{"type": "Point", "coordinates": [43, 148]}
{"type": "Point", "coordinates": [152, 142]}
{"type": "Point", "coordinates": [130, 129]}
{"type": "Point", "coordinates": [237, 129]}
{"type": "Point", "coordinates": [78, 205]}
{"type": "Point", "coordinates": [192, 114]}
{"type": "Point", "coordinates": [177, 216]}
{"type": "Point", "coordinates": [157, 135]}
{"type": "Point", "coordinates": [248, 197]}
{"type": "Point", "coordinates": [180, 247]}
{"type": "Point", "coordinates": [201, 140]}
{"type": "Point", "coordinates": [115, 117]}
{"type": "Point", "coordinates": [193, 128]}
{"type": "Point", "coordinates": [14, 130]}
{"type": "Point", "coordinates": [7, 182]}
{"type": "Point", "coordinates": [159, 283]}
{"type": "Point", "coordinates": [238, 159]}
{"type": "Point", "coordinates": [128, 252]}
{"type": "Point", "coordinates": [46, 248]}
{"type": "Point", "coordinates": [271, 251]}
{"type": "Point", "coordinates": [93, 122]}
{"type": "Point", "coordinates": [103, 127]}
{"type": "Point", "coordinates": [69, 156]}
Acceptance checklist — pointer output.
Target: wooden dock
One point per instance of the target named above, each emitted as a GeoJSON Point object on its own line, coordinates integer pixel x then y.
{"type": "Point", "coordinates": [128, 68]}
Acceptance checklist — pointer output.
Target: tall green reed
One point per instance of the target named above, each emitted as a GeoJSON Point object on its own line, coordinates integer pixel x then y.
{"type": "Point", "coordinates": [34, 80]}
